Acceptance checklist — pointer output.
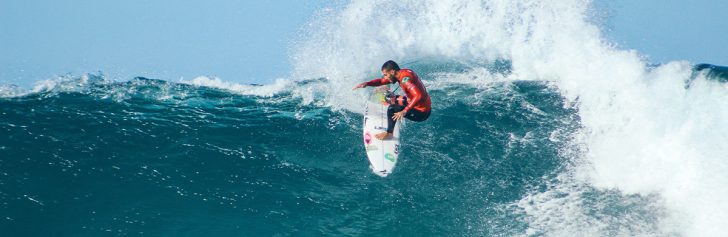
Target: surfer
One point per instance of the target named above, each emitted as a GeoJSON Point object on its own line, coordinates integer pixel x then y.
{"type": "Point", "coordinates": [415, 105]}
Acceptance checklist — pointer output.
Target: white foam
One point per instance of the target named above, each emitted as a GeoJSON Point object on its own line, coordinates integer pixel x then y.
{"type": "Point", "coordinates": [309, 93]}
{"type": "Point", "coordinates": [9, 91]}
{"type": "Point", "coordinates": [645, 132]}
{"type": "Point", "coordinates": [64, 83]}
{"type": "Point", "coordinates": [279, 86]}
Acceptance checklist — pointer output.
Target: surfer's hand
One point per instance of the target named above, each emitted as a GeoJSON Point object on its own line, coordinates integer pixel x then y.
{"type": "Point", "coordinates": [399, 115]}
{"type": "Point", "coordinates": [362, 85]}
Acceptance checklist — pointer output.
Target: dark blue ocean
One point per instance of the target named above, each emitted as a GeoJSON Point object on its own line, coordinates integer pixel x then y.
{"type": "Point", "coordinates": [159, 158]}
{"type": "Point", "coordinates": [146, 157]}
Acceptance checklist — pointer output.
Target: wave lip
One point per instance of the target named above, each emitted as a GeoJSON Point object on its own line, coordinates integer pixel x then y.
{"type": "Point", "coordinates": [719, 73]}
{"type": "Point", "coordinates": [269, 90]}
{"type": "Point", "coordinates": [8, 91]}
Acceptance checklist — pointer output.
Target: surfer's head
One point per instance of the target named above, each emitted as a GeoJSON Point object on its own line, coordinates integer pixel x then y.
{"type": "Point", "coordinates": [390, 65]}
{"type": "Point", "coordinates": [389, 69]}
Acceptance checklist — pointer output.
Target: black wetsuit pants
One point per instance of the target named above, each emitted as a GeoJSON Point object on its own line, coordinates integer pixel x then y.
{"type": "Point", "coordinates": [397, 104]}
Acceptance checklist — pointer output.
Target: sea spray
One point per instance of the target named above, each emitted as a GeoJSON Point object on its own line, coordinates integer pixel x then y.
{"type": "Point", "coordinates": [645, 131]}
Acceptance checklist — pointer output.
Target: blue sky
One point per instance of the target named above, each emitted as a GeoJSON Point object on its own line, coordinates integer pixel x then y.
{"type": "Point", "coordinates": [248, 41]}
{"type": "Point", "coordinates": [696, 31]}
{"type": "Point", "coordinates": [242, 41]}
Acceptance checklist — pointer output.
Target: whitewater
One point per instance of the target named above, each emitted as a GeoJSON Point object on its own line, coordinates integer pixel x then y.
{"type": "Point", "coordinates": [540, 127]}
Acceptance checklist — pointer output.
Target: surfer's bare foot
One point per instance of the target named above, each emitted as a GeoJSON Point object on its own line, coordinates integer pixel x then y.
{"type": "Point", "coordinates": [383, 136]}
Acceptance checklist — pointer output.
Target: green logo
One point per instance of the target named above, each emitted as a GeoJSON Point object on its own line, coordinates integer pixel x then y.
{"type": "Point", "coordinates": [404, 80]}
{"type": "Point", "coordinates": [389, 157]}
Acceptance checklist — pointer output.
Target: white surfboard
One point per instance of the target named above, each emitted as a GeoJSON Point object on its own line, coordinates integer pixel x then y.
{"type": "Point", "coordinates": [382, 155]}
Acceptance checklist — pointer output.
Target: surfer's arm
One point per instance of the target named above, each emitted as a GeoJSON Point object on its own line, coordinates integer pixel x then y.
{"type": "Point", "coordinates": [416, 97]}
{"type": "Point", "coordinates": [375, 82]}
{"type": "Point", "coordinates": [378, 82]}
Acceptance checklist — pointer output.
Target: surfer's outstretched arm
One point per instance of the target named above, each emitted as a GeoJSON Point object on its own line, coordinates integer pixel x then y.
{"type": "Point", "coordinates": [375, 82]}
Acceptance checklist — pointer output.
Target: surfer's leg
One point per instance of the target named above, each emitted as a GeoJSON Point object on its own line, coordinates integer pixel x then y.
{"type": "Point", "coordinates": [390, 122]}
{"type": "Point", "coordinates": [396, 103]}
{"type": "Point", "coordinates": [417, 116]}
{"type": "Point", "coordinates": [393, 108]}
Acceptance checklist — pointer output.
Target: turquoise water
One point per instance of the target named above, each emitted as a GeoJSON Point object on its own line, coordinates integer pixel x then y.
{"type": "Point", "coordinates": [92, 157]}
{"type": "Point", "coordinates": [161, 158]}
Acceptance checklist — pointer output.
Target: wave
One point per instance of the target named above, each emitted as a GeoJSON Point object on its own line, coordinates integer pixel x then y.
{"type": "Point", "coordinates": [540, 127]}
{"type": "Point", "coordinates": [653, 131]}
{"type": "Point", "coordinates": [275, 159]}
{"type": "Point", "coordinates": [715, 72]}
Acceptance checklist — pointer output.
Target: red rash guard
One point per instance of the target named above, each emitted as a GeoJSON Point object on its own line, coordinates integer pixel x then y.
{"type": "Point", "coordinates": [412, 87]}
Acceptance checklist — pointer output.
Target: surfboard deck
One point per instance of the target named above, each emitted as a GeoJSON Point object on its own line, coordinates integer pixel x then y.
{"type": "Point", "coordinates": [382, 154]}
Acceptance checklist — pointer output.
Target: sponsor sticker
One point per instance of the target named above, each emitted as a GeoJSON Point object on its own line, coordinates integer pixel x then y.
{"type": "Point", "coordinates": [389, 157]}
{"type": "Point", "coordinates": [371, 148]}
{"type": "Point", "coordinates": [367, 138]}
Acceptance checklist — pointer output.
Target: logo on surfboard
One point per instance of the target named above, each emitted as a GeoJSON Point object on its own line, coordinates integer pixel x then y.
{"type": "Point", "coordinates": [371, 148]}
{"type": "Point", "coordinates": [367, 138]}
{"type": "Point", "coordinates": [389, 157]}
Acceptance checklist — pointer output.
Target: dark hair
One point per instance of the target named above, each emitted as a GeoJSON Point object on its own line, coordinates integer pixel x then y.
{"type": "Point", "coordinates": [390, 65]}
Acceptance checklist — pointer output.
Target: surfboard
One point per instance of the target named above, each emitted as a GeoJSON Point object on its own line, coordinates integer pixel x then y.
{"type": "Point", "coordinates": [382, 154]}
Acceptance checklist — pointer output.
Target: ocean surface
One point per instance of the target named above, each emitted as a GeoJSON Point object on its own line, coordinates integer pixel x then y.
{"type": "Point", "coordinates": [540, 127]}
